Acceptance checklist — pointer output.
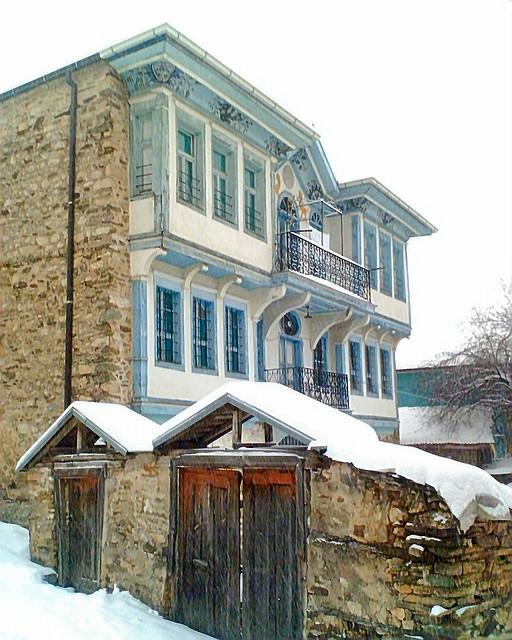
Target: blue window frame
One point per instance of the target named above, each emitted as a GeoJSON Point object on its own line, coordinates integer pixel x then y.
{"type": "Point", "coordinates": [340, 358]}
{"type": "Point", "coordinates": [203, 335]}
{"type": "Point", "coordinates": [386, 275]}
{"type": "Point", "coordinates": [320, 355]}
{"type": "Point", "coordinates": [260, 350]}
{"type": "Point", "coordinates": [399, 269]}
{"type": "Point", "coordinates": [370, 251]}
{"type": "Point", "coordinates": [356, 372]}
{"type": "Point", "coordinates": [386, 381]}
{"type": "Point", "coordinates": [168, 326]}
{"type": "Point", "coordinates": [356, 239]}
{"type": "Point", "coordinates": [235, 340]}
{"type": "Point", "coordinates": [372, 382]}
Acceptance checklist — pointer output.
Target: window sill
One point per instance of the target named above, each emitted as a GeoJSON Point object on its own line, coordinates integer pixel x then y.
{"type": "Point", "coordinates": [238, 376]}
{"type": "Point", "coordinates": [208, 372]}
{"type": "Point", "coordinates": [199, 208]}
{"type": "Point", "coordinates": [169, 365]}
{"type": "Point", "coordinates": [229, 223]}
{"type": "Point", "coordinates": [256, 236]}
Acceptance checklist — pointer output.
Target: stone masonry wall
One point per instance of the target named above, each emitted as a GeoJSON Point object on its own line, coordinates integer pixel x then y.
{"type": "Point", "coordinates": [136, 527]}
{"type": "Point", "coordinates": [383, 551]}
{"type": "Point", "coordinates": [34, 131]}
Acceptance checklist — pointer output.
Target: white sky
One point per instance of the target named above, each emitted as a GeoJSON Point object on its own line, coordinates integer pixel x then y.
{"type": "Point", "coordinates": [417, 93]}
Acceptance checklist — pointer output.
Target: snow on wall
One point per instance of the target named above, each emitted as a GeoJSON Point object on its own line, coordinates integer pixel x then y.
{"type": "Point", "coordinates": [417, 426]}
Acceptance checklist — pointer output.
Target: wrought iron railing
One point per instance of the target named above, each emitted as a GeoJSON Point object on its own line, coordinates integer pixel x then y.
{"type": "Point", "coordinates": [223, 205]}
{"type": "Point", "coordinates": [295, 253]}
{"type": "Point", "coordinates": [326, 386]}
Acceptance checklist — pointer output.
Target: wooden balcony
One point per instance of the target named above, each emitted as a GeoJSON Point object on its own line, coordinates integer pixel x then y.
{"type": "Point", "coordinates": [325, 386]}
{"type": "Point", "coordinates": [295, 253]}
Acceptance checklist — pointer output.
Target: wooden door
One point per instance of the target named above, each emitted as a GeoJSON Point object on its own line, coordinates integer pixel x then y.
{"type": "Point", "coordinates": [209, 552]}
{"type": "Point", "coordinates": [79, 532]}
{"type": "Point", "coordinates": [271, 558]}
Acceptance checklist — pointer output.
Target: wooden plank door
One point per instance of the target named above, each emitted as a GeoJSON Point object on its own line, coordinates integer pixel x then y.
{"type": "Point", "coordinates": [272, 603]}
{"type": "Point", "coordinates": [209, 552]}
{"type": "Point", "coordinates": [79, 532]}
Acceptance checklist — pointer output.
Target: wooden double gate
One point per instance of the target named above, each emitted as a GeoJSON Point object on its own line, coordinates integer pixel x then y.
{"type": "Point", "coordinates": [240, 553]}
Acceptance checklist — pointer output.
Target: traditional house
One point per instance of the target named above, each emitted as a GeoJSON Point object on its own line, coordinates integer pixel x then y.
{"type": "Point", "coordinates": [211, 242]}
{"type": "Point", "coordinates": [315, 530]}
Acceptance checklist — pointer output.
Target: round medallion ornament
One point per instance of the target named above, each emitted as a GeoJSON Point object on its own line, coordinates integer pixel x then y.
{"type": "Point", "coordinates": [288, 177]}
{"type": "Point", "coordinates": [290, 324]}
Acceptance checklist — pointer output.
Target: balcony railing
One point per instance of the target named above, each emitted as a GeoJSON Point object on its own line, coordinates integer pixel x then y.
{"type": "Point", "coordinates": [295, 253]}
{"type": "Point", "coordinates": [326, 386]}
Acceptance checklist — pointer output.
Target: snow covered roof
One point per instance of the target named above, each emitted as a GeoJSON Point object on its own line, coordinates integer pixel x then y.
{"type": "Point", "coordinates": [417, 426]}
{"type": "Point", "coordinates": [280, 406]}
{"type": "Point", "coordinates": [123, 429]}
{"type": "Point", "coordinates": [468, 491]}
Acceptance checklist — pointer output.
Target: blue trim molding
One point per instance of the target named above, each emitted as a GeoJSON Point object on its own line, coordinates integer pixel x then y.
{"type": "Point", "coordinates": [140, 339]}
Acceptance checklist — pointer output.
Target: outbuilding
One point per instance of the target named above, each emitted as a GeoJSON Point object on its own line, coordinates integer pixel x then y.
{"type": "Point", "coordinates": [259, 513]}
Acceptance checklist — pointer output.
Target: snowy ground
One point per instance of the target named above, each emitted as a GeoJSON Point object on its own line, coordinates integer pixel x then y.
{"type": "Point", "coordinates": [30, 608]}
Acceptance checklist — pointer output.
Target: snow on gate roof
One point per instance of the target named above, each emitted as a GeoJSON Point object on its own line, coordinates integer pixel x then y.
{"type": "Point", "coordinates": [123, 429]}
{"type": "Point", "coordinates": [468, 491]}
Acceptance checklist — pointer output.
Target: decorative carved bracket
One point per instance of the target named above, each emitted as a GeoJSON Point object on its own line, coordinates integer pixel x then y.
{"type": "Point", "coordinates": [322, 322]}
{"type": "Point", "coordinates": [277, 309]}
{"type": "Point", "coordinates": [225, 283]}
{"type": "Point", "coordinates": [262, 298]}
{"type": "Point", "coordinates": [190, 273]}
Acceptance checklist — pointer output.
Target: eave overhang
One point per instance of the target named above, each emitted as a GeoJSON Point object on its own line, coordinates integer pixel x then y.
{"type": "Point", "coordinates": [387, 202]}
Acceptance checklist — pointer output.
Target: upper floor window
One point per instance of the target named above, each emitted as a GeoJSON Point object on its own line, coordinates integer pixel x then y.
{"type": "Point", "coordinates": [224, 181]}
{"type": "Point", "coordinates": [399, 269]}
{"type": "Point", "coordinates": [168, 325]}
{"type": "Point", "coordinates": [254, 198]}
{"type": "Point", "coordinates": [356, 371]}
{"type": "Point", "coordinates": [370, 252]}
{"type": "Point", "coordinates": [142, 169]}
{"type": "Point", "coordinates": [372, 383]}
{"type": "Point", "coordinates": [235, 339]}
{"type": "Point", "coordinates": [386, 275]}
{"type": "Point", "coordinates": [356, 239]}
{"type": "Point", "coordinates": [203, 334]}
{"type": "Point", "coordinates": [385, 373]}
{"type": "Point", "coordinates": [189, 146]}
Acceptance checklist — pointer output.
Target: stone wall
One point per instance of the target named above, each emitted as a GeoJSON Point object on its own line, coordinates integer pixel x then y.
{"type": "Point", "coordinates": [383, 551]}
{"type": "Point", "coordinates": [34, 135]}
{"type": "Point", "coordinates": [136, 527]}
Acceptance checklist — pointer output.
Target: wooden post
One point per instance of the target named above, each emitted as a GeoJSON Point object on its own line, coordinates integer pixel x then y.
{"type": "Point", "coordinates": [269, 435]}
{"type": "Point", "coordinates": [237, 429]}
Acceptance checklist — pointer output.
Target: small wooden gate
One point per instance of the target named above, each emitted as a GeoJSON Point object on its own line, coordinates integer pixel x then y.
{"type": "Point", "coordinates": [239, 554]}
{"type": "Point", "coordinates": [79, 510]}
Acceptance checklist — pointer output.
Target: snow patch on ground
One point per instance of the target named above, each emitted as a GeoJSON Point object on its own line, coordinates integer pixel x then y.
{"type": "Point", "coordinates": [31, 608]}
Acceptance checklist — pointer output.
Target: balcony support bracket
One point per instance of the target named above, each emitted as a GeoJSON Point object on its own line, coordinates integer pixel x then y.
{"type": "Point", "coordinates": [263, 298]}
{"type": "Point", "coordinates": [322, 322]}
{"type": "Point", "coordinates": [277, 309]}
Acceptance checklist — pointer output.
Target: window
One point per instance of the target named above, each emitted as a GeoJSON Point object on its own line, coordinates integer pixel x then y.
{"type": "Point", "coordinates": [189, 189]}
{"type": "Point", "coordinates": [370, 252]}
{"type": "Point", "coordinates": [234, 320]}
{"type": "Point", "coordinates": [385, 373]}
{"type": "Point", "coordinates": [260, 350]}
{"type": "Point", "coordinates": [356, 374]}
{"type": "Point", "coordinates": [224, 181]}
{"type": "Point", "coordinates": [340, 358]}
{"type": "Point", "coordinates": [203, 333]}
{"type": "Point", "coordinates": [254, 199]}
{"type": "Point", "coordinates": [168, 326]}
{"type": "Point", "coordinates": [356, 239]}
{"type": "Point", "coordinates": [399, 269]}
{"type": "Point", "coordinates": [142, 153]}
{"type": "Point", "coordinates": [386, 275]}
{"type": "Point", "coordinates": [372, 383]}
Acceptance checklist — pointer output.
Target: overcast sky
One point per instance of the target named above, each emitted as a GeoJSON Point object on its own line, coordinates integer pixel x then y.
{"type": "Point", "coordinates": [417, 93]}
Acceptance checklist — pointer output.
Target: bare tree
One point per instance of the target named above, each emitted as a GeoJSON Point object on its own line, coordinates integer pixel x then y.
{"type": "Point", "coordinates": [480, 373]}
